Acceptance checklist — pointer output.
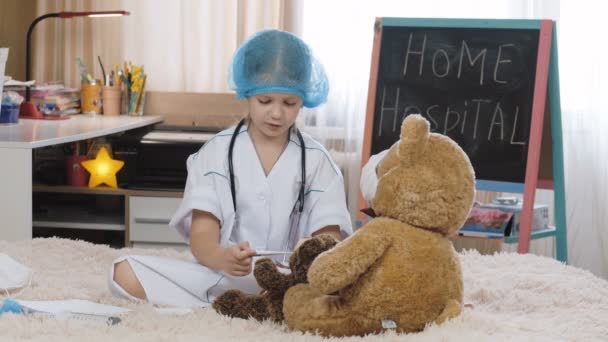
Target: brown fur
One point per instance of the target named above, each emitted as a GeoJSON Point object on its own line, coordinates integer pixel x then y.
{"type": "Point", "coordinates": [390, 269]}
{"type": "Point", "coordinates": [269, 304]}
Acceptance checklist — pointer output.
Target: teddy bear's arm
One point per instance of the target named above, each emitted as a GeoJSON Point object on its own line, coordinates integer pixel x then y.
{"type": "Point", "coordinates": [269, 277]}
{"type": "Point", "coordinates": [342, 265]}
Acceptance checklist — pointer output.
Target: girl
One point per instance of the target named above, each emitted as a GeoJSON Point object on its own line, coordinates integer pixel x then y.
{"type": "Point", "coordinates": [262, 185]}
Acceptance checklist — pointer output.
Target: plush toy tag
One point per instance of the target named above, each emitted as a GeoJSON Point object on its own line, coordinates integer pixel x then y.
{"type": "Point", "coordinates": [388, 324]}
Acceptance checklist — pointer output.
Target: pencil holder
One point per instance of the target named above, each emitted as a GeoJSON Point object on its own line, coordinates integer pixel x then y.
{"type": "Point", "coordinates": [135, 103]}
{"type": "Point", "coordinates": [110, 97]}
{"type": "Point", "coordinates": [90, 98]}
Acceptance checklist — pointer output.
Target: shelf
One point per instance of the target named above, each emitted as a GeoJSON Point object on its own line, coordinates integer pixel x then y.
{"type": "Point", "coordinates": [155, 193]}
{"type": "Point", "coordinates": [477, 238]}
{"type": "Point", "coordinates": [78, 210]}
{"type": "Point", "coordinates": [536, 234]}
{"type": "Point", "coordinates": [79, 225]}
{"type": "Point", "coordinates": [79, 220]}
{"type": "Point", "coordinates": [104, 190]}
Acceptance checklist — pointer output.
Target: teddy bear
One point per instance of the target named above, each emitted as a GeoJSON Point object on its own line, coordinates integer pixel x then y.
{"type": "Point", "coordinates": [399, 270]}
{"type": "Point", "coordinates": [269, 304]}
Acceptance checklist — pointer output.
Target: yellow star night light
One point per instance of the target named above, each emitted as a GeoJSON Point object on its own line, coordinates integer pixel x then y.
{"type": "Point", "coordinates": [103, 169]}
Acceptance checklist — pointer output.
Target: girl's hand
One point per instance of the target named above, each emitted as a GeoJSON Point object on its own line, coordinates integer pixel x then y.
{"type": "Point", "coordinates": [236, 260]}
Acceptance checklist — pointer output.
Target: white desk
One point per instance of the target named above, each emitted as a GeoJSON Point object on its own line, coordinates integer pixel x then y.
{"type": "Point", "coordinates": [16, 145]}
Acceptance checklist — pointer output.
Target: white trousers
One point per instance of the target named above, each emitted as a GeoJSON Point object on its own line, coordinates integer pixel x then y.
{"type": "Point", "coordinates": [179, 283]}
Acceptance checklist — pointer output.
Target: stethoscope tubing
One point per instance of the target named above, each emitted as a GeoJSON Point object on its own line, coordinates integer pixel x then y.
{"type": "Point", "coordinates": [231, 166]}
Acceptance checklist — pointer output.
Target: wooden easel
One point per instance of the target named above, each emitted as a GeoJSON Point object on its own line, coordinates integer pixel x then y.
{"type": "Point", "coordinates": [545, 165]}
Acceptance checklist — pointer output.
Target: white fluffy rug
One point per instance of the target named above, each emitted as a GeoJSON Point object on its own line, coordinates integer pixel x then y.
{"type": "Point", "coordinates": [515, 298]}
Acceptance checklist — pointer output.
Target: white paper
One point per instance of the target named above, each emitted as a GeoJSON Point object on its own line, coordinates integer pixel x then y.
{"type": "Point", "coordinates": [15, 83]}
{"type": "Point", "coordinates": [77, 306]}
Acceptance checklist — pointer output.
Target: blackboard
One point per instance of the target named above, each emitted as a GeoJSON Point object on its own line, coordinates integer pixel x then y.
{"type": "Point", "coordinates": [475, 85]}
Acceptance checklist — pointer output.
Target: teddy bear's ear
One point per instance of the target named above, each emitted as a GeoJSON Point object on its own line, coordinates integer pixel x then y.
{"type": "Point", "coordinates": [415, 131]}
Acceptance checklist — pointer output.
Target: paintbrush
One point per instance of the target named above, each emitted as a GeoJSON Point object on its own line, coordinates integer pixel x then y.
{"type": "Point", "coordinates": [103, 71]}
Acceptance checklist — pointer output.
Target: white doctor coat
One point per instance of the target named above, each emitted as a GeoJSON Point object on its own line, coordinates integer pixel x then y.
{"type": "Point", "coordinates": [264, 205]}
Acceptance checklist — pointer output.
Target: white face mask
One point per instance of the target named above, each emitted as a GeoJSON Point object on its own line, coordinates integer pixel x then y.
{"type": "Point", "coordinates": [13, 275]}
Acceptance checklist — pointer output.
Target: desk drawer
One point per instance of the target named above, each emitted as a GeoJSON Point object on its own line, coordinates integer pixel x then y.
{"type": "Point", "coordinates": [149, 219]}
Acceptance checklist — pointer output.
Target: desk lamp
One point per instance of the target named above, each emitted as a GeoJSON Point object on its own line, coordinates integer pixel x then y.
{"type": "Point", "coordinates": [28, 109]}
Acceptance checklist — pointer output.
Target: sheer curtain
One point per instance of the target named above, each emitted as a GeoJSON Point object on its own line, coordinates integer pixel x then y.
{"type": "Point", "coordinates": [184, 45]}
{"type": "Point", "coordinates": [188, 45]}
{"type": "Point", "coordinates": [584, 86]}
{"type": "Point", "coordinates": [57, 43]}
{"type": "Point", "coordinates": [340, 32]}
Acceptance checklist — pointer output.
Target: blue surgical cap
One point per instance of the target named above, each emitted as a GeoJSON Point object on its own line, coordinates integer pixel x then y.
{"type": "Point", "coordinates": [274, 61]}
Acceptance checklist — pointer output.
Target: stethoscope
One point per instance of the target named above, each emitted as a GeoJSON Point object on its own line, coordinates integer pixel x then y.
{"type": "Point", "coordinates": [300, 201]}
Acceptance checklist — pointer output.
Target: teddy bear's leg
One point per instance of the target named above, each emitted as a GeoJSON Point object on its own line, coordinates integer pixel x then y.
{"type": "Point", "coordinates": [275, 307]}
{"type": "Point", "coordinates": [307, 309]}
{"type": "Point", "coordinates": [235, 303]}
{"type": "Point", "coordinates": [451, 310]}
